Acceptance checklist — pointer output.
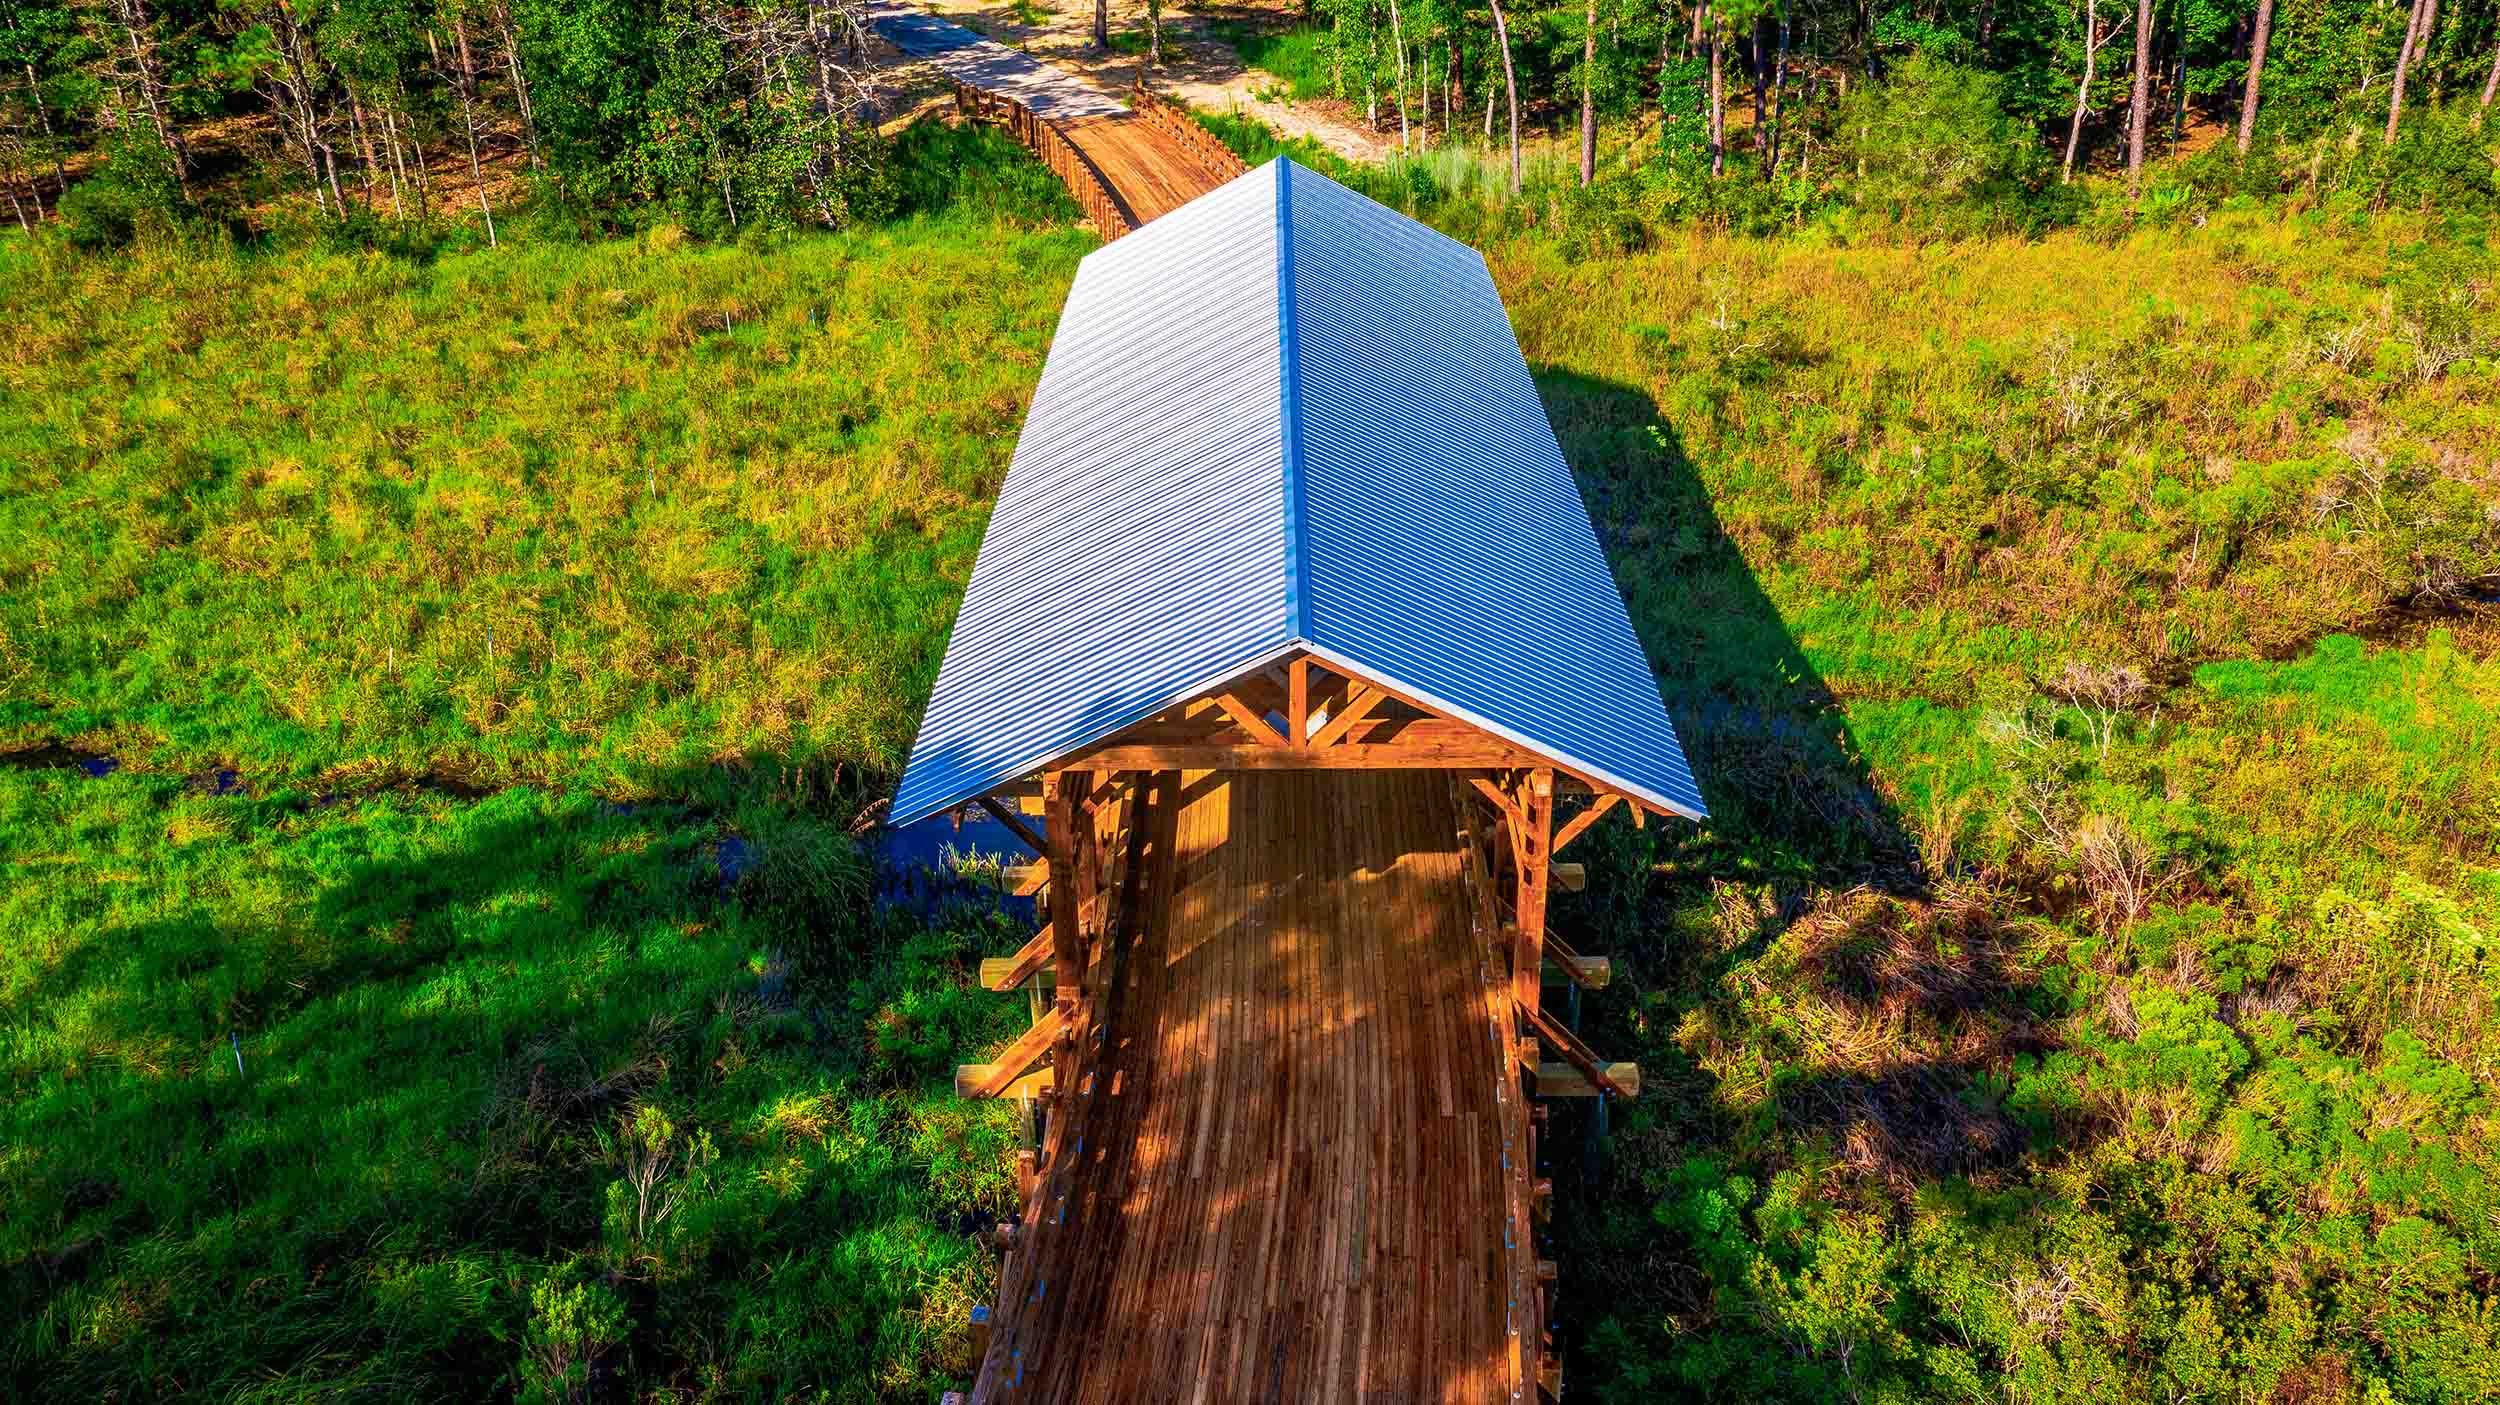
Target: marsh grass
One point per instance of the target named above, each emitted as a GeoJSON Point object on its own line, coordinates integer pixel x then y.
{"type": "Point", "coordinates": [597, 513]}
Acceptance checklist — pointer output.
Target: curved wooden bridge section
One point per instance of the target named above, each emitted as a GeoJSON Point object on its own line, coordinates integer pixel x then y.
{"type": "Point", "coordinates": [1125, 164]}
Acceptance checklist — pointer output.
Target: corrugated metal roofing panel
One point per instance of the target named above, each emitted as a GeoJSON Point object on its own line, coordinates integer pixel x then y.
{"type": "Point", "coordinates": [1447, 548]}
{"type": "Point", "coordinates": [1286, 417]}
{"type": "Point", "coordinates": [1136, 555]}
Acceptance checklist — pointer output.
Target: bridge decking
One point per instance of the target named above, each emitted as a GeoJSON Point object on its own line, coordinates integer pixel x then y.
{"type": "Point", "coordinates": [1288, 1180]}
{"type": "Point", "coordinates": [1151, 171]}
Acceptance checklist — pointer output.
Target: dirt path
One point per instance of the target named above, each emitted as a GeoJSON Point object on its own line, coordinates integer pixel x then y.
{"type": "Point", "coordinates": [1198, 68]}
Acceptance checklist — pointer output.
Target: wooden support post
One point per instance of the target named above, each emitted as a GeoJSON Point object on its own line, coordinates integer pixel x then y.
{"type": "Point", "coordinates": [1088, 891]}
{"type": "Point", "coordinates": [980, 1333]}
{"type": "Point", "coordinates": [1533, 839]}
{"type": "Point", "coordinates": [1298, 703]}
{"type": "Point", "coordinates": [1060, 790]}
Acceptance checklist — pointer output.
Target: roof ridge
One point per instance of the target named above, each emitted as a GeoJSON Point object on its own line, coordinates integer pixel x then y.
{"type": "Point", "coordinates": [1289, 425]}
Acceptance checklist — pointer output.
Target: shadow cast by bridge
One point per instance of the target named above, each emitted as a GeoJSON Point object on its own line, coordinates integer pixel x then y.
{"type": "Point", "coordinates": [1804, 899]}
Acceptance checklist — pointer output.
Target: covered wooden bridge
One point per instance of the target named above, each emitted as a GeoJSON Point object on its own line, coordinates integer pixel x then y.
{"type": "Point", "coordinates": [1292, 633]}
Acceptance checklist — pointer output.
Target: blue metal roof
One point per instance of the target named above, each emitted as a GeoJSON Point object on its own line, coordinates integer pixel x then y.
{"type": "Point", "coordinates": [1285, 418]}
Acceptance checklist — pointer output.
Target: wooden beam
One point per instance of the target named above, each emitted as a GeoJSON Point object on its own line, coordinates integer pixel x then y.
{"type": "Point", "coordinates": [1586, 972]}
{"type": "Point", "coordinates": [1590, 972]}
{"type": "Point", "coordinates": [1023, 880]}
{"type": "Point", "coordinates": [1243, 715]}
{"type": "Point", "coordinates": [1015, 824]}
{"type": "Point", "coordinates": [1500, 798]}
{"type": "Point", "coordinates": [1385, 743]}
{"type": "Point", "coordinates": [1358, 707]}
{"type": "Point", "coordinates": [1580, 822]}
{"type": "Point", "coordinates": [1167, 745]}
{"type": "Point", "coordinates": [1031, 1085]}
{"type": "Point", "coordinates": [1100, 796]}
{"type": "Point", "coordinates": [1533, 835]}
{"type": "Point", "coordinates": [1400, 756]}
{"type": "Point", "coordinates": [993, 1078]}
{"type": "Point", "coordinates": [1026, 793]}
{"type": "Point", "coordinates": [1561, 1080]}
{"type": "Point", "coordinates": [1330, 692]}
{"type": "Point", "coordinates": [1008, 972]}
{"type": "Point", "coordinates": [1576, 1052]}
{"type": "Point", "coordinates": [1298, 702]}
{"type": "Point", "coordinates": [1570, 877]}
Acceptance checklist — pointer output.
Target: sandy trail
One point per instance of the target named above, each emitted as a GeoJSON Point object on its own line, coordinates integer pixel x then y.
{"type": "Point", "coordinates": [1198, 68]}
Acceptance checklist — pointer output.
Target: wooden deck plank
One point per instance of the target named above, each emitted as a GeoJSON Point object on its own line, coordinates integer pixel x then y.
{"type": "Point", "coordinates": [1273, 1199]}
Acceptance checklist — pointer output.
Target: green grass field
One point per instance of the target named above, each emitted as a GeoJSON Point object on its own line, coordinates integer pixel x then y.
{"type": "Point", "coordinates": [2083, 992]}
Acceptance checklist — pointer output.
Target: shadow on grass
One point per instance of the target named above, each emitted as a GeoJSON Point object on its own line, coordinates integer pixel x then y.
{"type": "Point", "coordinates": [321, 1094]}
{"type": "Point", "coordinates": [1798, 934]}
{"type": "Point", "coordinates": [1790, 795]}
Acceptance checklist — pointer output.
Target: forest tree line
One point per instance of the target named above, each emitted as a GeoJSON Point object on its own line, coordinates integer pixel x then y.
{"type": "Point", "coordinates": [726, 114]}
{"type": "Point", "coordinates": [757, 112]}
{"type": "Point", "coordinates": [2050, 87]}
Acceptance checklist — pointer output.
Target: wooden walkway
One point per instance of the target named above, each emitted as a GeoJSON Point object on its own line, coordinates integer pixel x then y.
{"type": "Point", "coordinates": [1126, 163]}
{"type": "Point", "coordinates": [1294, 1167]}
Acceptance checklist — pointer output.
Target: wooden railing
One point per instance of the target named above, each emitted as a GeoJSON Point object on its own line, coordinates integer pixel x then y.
{"type": "Point", "coordinates": [1111, 216]}
{"type": "Point", "coordinates": [1173, 120]}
